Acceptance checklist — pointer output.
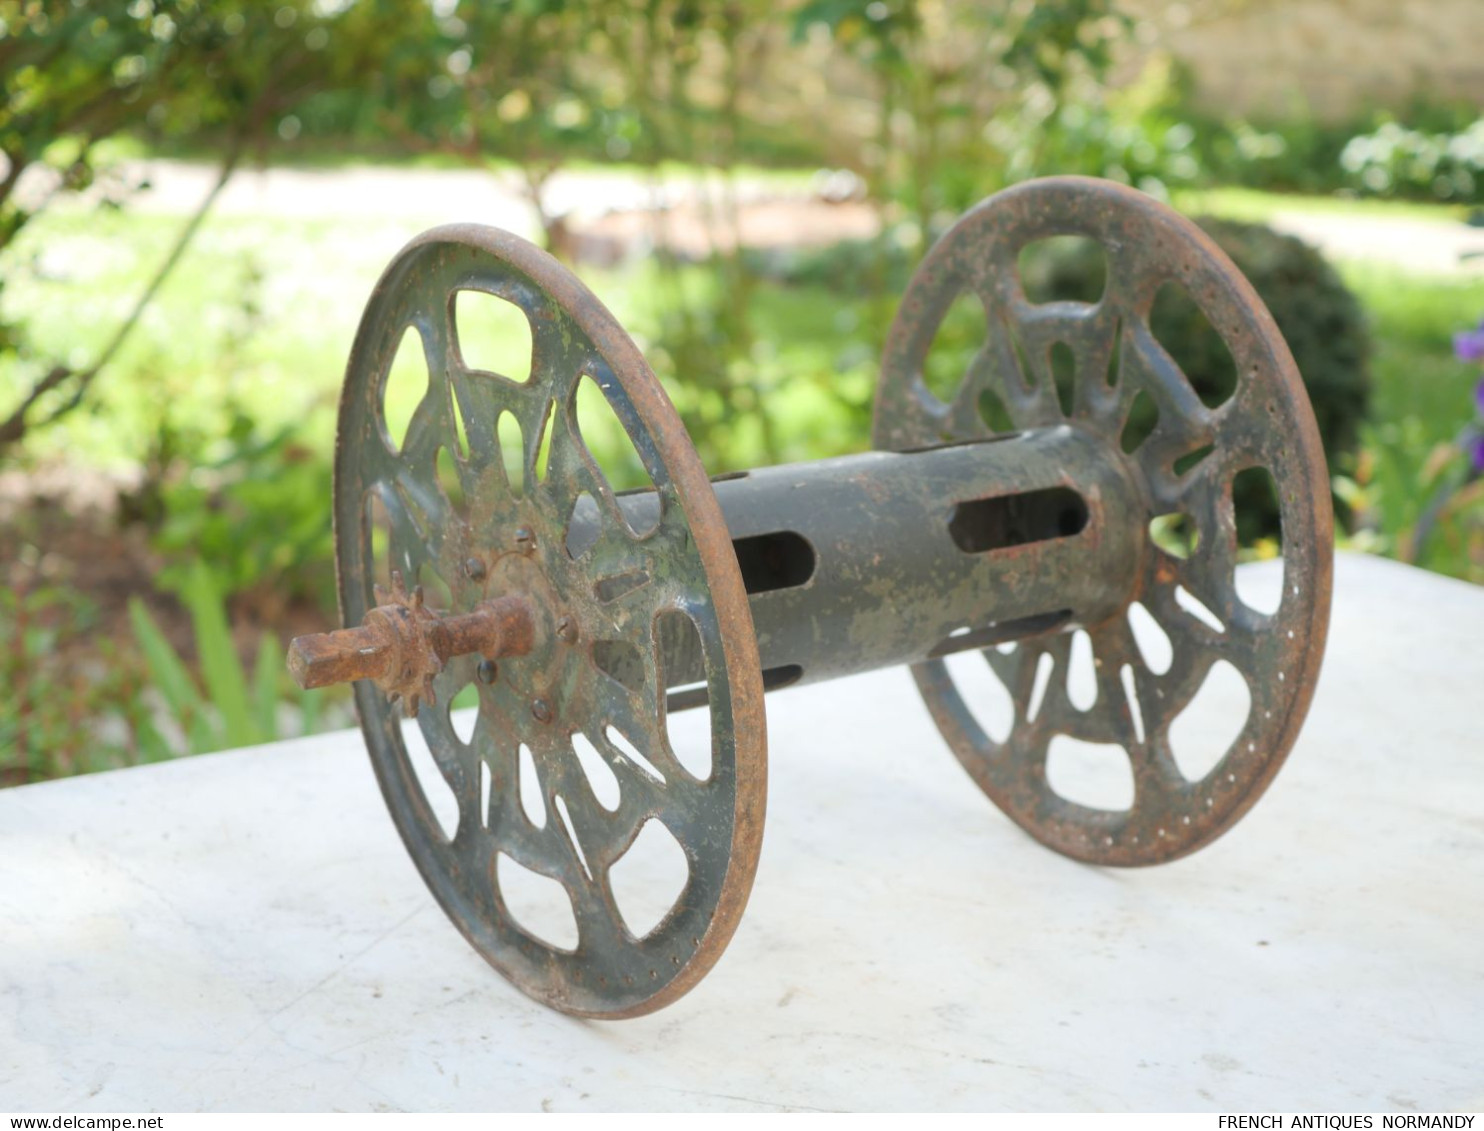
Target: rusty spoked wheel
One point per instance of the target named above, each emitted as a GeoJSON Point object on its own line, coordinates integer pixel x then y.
{"type": "Point", "coordinates": [1185, 467]}
{"type": "Point", "coordinates": [569, 763]}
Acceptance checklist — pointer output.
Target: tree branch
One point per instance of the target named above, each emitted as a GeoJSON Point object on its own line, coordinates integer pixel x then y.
{"type": "Point", "coordinates": [17, 425]}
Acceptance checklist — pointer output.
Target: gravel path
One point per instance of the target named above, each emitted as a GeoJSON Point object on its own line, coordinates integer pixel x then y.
{"type": "Point", "coordinates": [1416, 246]}
{"type": "Point", "coordinates": [1420, 247]}
{"type": "Point", "coordinates": [443, 195]}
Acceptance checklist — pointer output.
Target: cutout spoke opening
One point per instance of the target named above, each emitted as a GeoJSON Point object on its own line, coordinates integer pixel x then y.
{"type": "Point", "coordinates": [406, 385]}
{"type": "Point", "coordinates": [1213, 720]}
{"type": "Point", "coordinates": [603, 435]}
{"type": "Point", "coordinates": [961, 335]}
{"type": "Point", "coordinates": [1197, 347]}
{"type": "Point", "coordinates": [493, 335]}
{"type": "Point", "coordinates": [1096, 775]}
{"type": "Point", "coordinates": [682, 663]}
{"type": "Point", "coordinates": [1259, 520]}
{"type": "Point", "coordinates": [1069, 268]}
{"type": "Point", "coordinates": [984, 694]}
{"type": "Point", "coordinates": [648, 880]}
{"type": "Point", "coordinates": [442, 802]}
{"type": "Point", "coordinates": [532, 798]}
{"type": "Point", "coordinates": [539, 905]}
{"type": "Point", "coordinates": [600, 776]}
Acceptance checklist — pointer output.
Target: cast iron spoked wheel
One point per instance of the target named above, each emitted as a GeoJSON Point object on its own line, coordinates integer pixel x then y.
{"type": "Point", "coordinates": [1185, 466]}
{"type": "Point", "coordinates": [554, 533]}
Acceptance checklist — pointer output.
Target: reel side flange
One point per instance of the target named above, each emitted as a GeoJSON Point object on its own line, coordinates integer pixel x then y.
{"type": "Point", "coordinates": [488, 541]}
{"type": "Point", "coordinates": [1185, 467]}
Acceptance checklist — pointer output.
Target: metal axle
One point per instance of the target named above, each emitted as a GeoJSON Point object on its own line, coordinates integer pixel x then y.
{"type": "Point", "coordinates": [857, 563]}
{"type": "Point", "coordinates": [401, 645]}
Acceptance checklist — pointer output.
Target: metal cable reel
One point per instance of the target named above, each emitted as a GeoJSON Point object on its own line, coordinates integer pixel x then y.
{"type": "Point", "coordinates": [588, 617]}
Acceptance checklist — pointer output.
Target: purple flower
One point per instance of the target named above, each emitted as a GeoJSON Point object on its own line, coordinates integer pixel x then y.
{"type": "Point", "coordinates": [1469, 344]}
{"type": "Point", "coordinates": [1474, 446]}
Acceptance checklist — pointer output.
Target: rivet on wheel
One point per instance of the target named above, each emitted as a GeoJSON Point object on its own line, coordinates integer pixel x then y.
{"type": "Point", "coordinates": [541, 710]}
{"type": "Point", "coordinates": [487, 671]}
{"type": "Point", "coordinates": [567, 630]}
{"type": "Point", "coordinates": [474, 569]}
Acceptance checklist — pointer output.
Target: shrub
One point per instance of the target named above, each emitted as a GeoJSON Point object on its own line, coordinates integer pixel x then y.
{"type": "Point", "coordinates": [1397, 161]}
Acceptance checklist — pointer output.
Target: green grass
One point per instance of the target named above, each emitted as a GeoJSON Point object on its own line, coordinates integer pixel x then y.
{"type": "Point", "coordinates": [261, 313]}
{"type": "Point", "coordinates": [1417, 376]}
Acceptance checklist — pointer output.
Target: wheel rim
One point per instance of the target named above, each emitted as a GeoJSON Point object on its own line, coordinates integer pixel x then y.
{"type": "Point", "coordinates": [496, 539]}
{"type": "Point", "coordinates": [1267, 422]}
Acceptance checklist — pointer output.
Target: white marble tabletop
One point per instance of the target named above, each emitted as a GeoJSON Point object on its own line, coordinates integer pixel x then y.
{"type": "Point", "coordinates": [243, 931]}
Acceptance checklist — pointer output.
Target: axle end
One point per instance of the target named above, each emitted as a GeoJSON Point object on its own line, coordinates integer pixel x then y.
{"type": "Point", "coordinates": [336, 657]}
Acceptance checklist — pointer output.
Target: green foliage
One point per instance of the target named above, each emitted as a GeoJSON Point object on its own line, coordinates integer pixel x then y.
{"type": "Point", "coordinates": [1297, 155]}
{"type": "Point", "coordinates": [1428, 152]}
{"type": "Point", "coordinates": [247, 497]}
{"type": "Point", "coordinates": [73, 75]}
{"type": "Point", "coordinates": [228, 710]}
{"type": "Point", "coordinates": [504, 75]}
{"type": "Point", "coordinates": [79, 701]}
{"type": "Point", "coordinates": [1317, 313]}
{"type": "Point", "coordinates": [1136, 134]}
{"type": "Point", "coordinates": [1423, 398]}
{"type": "Point", "coordinates": [1395, 160]}
{"type": "Point", "coordinates": [71, 698]}
{"type": "Point", "coordinates": [966, 93]}
{"type": "Point", "coordinates": [169, 677]}
{"type": "Point", "coordinates": [257, 516]}
{"type": "Point", "coordinates": [840, 267]}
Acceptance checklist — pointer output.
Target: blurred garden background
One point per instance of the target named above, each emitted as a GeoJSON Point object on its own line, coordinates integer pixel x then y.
{"type": "Point", "coordinates": [196, 197]}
